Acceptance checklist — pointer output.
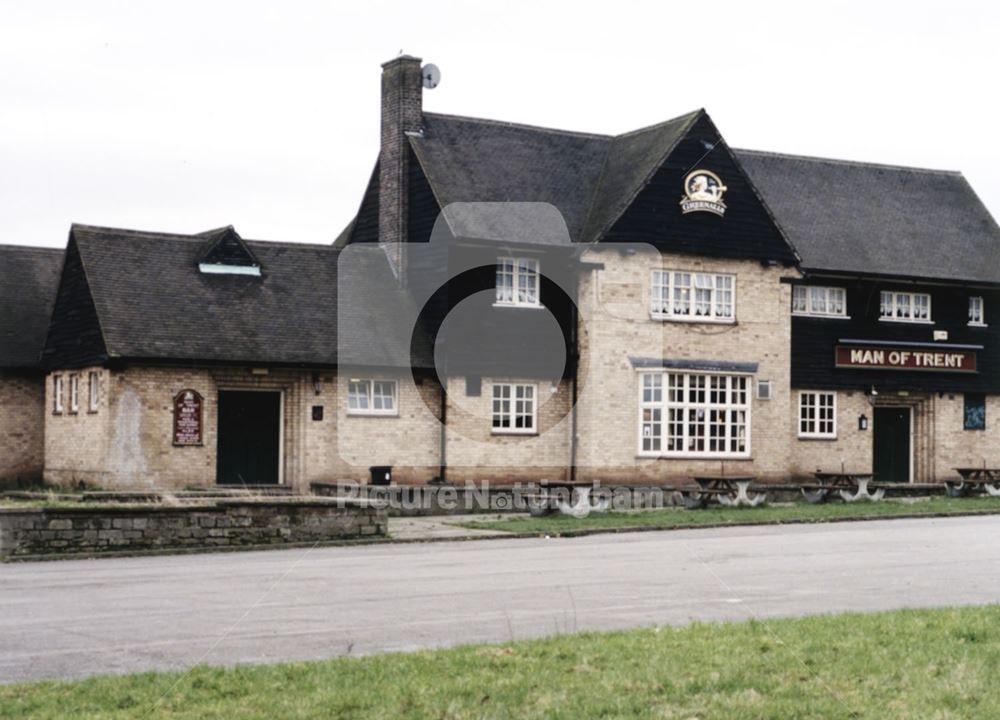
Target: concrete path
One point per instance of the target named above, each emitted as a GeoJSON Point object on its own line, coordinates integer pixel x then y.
{"type": "Point", "coordinates": [436, 527]}
{"type": "Point", "coordinates": [83, 617]}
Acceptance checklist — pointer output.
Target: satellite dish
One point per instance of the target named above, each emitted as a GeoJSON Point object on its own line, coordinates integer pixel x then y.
{"type": "Point", "coordinates": [430, 75]}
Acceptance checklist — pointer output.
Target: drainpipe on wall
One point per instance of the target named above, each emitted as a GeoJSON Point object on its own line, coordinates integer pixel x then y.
{"type": "Point", "coordinates": [443, 466]}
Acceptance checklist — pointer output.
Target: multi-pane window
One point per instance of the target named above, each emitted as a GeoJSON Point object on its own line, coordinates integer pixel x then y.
{"type": "Point", "coordinates": [74, 393]}
{"type": "Point", "coordinates": [694, 415]}
{"type": "Point", "coordinates": [57, 394]}
{"type": "Point", "coordinates": [823, 301]}
{"type": "Point", "coordinates": [94, 391]}
{"type": "Point", "coordinates": [976, 316]}
{"type": "Point", "coordinates": [517, 281]}
{"type": "Point", "coordinates": [817, 415]}
{"type": "Point", "coordinates": [905, 307]}
{"type": "Point", "coordinates": [697, 297]}
{"type": "Point", "coordinates": [514, 408]}
{"type": "Point", "coordinates": [371, 397]}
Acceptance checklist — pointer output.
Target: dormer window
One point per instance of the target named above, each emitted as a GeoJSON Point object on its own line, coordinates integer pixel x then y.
{"type": "Point", "coordinates": [227, 254]}
{"type": "Point", "coordinates": [517, 282]}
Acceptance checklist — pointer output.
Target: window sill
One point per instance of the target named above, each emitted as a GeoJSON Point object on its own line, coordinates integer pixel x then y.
{"type": "Point", "coordinates": [821, 438]}
{"type": "Point", "coordinates": [361, 413]}
{"type": "Point", "coordinates": [978, 325]}
{"type": "Point", "coordinates": [516, 433]}
{"type": "Point", "coordinates": [523, 306]}
{"type": "Point", "coordinates": [819, 316]}
{"type": "Point", "coordinates": [701, 319]}
{"type": "Point", "coordinates": [902, 321]}
{"type": "Point", "coordinates": [692, 456]}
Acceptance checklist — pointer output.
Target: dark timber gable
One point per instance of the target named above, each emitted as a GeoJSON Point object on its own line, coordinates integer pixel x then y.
{"type": "Point", "coordinates": [746, 231]}
{"type": "Point", "coordinates": [74, 338]}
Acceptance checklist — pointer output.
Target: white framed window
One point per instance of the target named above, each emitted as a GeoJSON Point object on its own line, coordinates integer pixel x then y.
{"type": "Point", "coordinates": [694, 415]}
{"type": "Point", "coordinates": [818, 415]}
{"type": "Point", "coordinates": [693, 297]}
{"type": "Point", "coordinates": [94, 391]}
{"type": "Point", "coordinates": [905, 307]}
{"type": "Point", "coordinates": [517, 282]}
{"type": "Point", "coordinates": [57, 394]}
{"type": "Point", "coordinates": [515, 408]}
{"type": "Point", "coordinates": [74, 393]}
{"type": "Point", "coordinates": [977, 314]}
{"type": "Point", "coordinates": [819, 301]}
{"type": "Point", "coordinates": [371, 397]}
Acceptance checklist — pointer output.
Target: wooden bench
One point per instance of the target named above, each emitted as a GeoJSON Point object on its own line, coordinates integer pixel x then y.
{"type": "Point", "coordinates": [728, 490]}
{"type": "Point", "coordinates": [983, 478]}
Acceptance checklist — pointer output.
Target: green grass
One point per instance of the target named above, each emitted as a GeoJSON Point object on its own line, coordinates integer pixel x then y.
{"type": "Point", "coordinates": [919, 665]}
{"type": "Point", "coordinates": [680, 518]}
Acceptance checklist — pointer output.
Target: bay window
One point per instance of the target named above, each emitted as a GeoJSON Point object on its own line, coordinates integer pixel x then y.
{"type": "Point", "coordinates": [694, 415]}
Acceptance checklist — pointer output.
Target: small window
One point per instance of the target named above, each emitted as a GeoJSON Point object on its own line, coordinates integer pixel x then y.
{"type": "Point", "coordinates": [94, 391]}
{"type": "Point", "coordinates": [514, 408]}
{"type": "Point", "coordinates": [74, 393]}
{"type": "Point", "coordinates": [975, 411]}
{"type": "Point", "coordinates": [819, 301]}
{"type": "Point", "coordinates": [763, 389]}
{"type": "Point", "coordinates": [371, 397]}
{"type": "Point", "coordinates": [692, 297]}
{"type": "Point", "coordinates": [517, 281]}
{"type": "Point", "coordinates": [976, 315]}
{"type": "Point", "coordinates": [905, 307]}
{"type": "Point", "coordinates": [57, 394]}
{"type": "Point", "coordinates": [817, 415]}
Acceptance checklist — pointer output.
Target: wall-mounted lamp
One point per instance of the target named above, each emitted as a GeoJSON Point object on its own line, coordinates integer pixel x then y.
{"type": "Point", "coordinates": [862, 422]}
{"type": "Point", "coordinates": [317, 384]}
{"type": "Point", "coordinates": [872, 396]}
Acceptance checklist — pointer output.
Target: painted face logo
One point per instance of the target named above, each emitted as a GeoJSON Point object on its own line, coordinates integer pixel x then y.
{"type": "Point", "coordinates": [703, 193]}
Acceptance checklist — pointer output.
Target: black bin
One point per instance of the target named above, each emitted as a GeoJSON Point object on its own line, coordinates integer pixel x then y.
{"type": "Point", "coordinates": [381, 474]}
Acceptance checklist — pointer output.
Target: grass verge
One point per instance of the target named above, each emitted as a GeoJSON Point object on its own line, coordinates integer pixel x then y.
{"type": "Point", "coordinates": [908, 664]}
{"type": "Point", "coordinates": [670, 518]}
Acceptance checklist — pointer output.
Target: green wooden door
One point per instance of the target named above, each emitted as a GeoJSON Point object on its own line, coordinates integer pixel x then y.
{"type": "Point", "coordinates": [892, 444]}
{"type": "Point", "coordinates": [249, 438]}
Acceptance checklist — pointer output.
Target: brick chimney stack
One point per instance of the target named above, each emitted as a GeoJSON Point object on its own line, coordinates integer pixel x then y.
{"type": "Point", "coordinates": [402, 113]}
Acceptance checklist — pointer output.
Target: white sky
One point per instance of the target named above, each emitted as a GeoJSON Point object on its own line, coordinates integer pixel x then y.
{"type": "Point", "coordinates": [183, 116]}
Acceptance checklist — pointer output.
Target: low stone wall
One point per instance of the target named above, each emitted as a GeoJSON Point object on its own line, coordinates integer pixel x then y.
{"type": "Point", "coordinates": [223, 524]}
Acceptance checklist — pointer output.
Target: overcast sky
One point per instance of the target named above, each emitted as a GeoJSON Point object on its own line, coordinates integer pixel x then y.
{"type": "Point", "coordinates": [183, 116]}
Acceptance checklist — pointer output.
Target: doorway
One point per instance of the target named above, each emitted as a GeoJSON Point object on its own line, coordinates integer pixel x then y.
{"type": "Point", "coordinates": [249, 446]}
{"type": "Point", "coordinates": [893, 453]}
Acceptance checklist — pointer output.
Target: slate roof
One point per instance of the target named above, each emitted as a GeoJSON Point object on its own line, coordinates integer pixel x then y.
{"type": "Point", "coordinates": [28, 280]}
{"type": "Point", "coordinates": [590, 178]}
{"type": "Point", "coordinates": [864, 218]}
{"type": "Point", "coordinates": [152, 302]}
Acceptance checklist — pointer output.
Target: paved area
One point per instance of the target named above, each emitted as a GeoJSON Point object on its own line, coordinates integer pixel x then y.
{"type": "Point", "coordinates": [435, 527]}
{"type": "Point", "coordinates": [76, 618]}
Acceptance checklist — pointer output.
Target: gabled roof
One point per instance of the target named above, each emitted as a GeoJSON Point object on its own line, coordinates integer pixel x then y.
{"type": "Point", "coordinates": [864, 218]}
{"type": "Point", "coordinates": [28, 280]}
{"type": "Point", "coordinates": [153, 303]}
{"type": "Point", "coordinates": [590, 178]}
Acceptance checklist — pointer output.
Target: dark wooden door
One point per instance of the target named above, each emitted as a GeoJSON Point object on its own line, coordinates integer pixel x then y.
{"type": "Point", "coordinates": [249, 437]}
{"type": "Point", "coordinates": [892, 445]}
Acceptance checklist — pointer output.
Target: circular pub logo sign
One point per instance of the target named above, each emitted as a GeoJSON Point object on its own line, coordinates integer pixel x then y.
{"type": "Point", "coordinates": [703, 192]}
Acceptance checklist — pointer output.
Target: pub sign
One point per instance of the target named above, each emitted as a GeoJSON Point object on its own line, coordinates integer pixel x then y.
{"type": "Point", "coordinates": [952, 360]}
{"type": "Point", "coordinates": [188, 418]}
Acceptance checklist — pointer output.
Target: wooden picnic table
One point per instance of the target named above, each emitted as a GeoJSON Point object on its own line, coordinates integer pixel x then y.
{"type": "Point", "coordinates": [577, 498]}
{"type": "Point", "coordinates": [981, 477]}
{"type": "Point", "coordinates": [851, 486]}
{"type": "Point", "coordinates": [729, 490]}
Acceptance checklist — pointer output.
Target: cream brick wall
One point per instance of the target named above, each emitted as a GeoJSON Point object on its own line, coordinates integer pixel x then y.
{"type": "Point", "coordinates": [76, 444]}
{"type": "Point", "coordinates": [615, 324]}
{"type": "Point", "coordinates": [476, 454]}
{"type": "Point", "coordinates": [956, 447]}
{"type": "Point", "coordinates": [22, 426]}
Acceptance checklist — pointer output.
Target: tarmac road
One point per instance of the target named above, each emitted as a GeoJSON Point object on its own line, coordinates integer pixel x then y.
{"type": "Point", "coordinates": [82, 617]}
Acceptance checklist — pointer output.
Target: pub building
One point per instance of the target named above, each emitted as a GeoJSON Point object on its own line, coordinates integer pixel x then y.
{"type": "Point", "coordinates": [515, 303]}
